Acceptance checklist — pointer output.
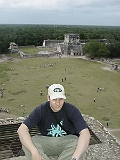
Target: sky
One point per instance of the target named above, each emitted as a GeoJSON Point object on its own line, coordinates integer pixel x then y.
{"type": "Point", "coordinates": [60, 12]}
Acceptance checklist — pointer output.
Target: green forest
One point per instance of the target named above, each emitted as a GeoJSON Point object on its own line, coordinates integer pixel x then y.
{"type": "Point", "coordinates": [24, 35]}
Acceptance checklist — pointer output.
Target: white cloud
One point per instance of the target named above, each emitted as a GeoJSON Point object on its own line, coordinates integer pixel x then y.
{"type": "Point", "coordinates": [45, 4]}
{"type": "Point", "coordinates": [60, 11]}
{"type": "Point", "coordinates": [54, 4]}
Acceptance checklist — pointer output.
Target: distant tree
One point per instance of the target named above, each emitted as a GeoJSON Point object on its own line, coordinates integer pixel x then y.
{"type": "Point", "coordinates": [1, 44]}
{"type": "Point", "coordinates": [95, 49]}
{"type": "Point", "coordinates": [114, 49]}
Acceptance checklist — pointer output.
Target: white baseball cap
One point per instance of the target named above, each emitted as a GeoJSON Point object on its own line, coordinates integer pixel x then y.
{"type": "Point", "coordinates": [56, 91]}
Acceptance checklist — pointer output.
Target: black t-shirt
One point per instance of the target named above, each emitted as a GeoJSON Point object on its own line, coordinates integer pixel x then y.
{"type": "Point", "coordinates": [42, 117]}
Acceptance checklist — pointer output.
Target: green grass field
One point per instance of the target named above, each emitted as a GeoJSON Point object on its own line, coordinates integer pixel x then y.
{"type": "Point", "coordinates": [34, 50]}
{"type": "Point", "coordinates": [24, 79]}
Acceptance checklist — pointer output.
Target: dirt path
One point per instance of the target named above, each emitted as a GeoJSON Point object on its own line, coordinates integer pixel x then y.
{"type": "Point", "coordinates": [4, 58]}
{"type": "Point", "coordinates": [114, 132]}
{"type": "Point", "coordinates": [6, 115]}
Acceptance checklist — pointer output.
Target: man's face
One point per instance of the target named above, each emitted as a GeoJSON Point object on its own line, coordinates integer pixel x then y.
{"type": "Point", "coordinates": [56, 104]}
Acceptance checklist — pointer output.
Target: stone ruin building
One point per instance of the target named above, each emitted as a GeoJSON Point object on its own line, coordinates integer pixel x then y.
{"type": "Point", "coordinates": [13, 47]}
{"type": "Point", "coordinates": [51, 43]}
{"type": "Point", "coordinates": [69, 46]}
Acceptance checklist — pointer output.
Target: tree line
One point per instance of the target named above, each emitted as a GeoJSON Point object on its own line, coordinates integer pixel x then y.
{"type": "Point", "coordinates": [94, 49]}
{"type": "Point", "coordinates": [25, 35]}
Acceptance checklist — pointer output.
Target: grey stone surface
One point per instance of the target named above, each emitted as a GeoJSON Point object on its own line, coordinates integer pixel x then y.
{"type": "Point", "coordinates": [109, 149]}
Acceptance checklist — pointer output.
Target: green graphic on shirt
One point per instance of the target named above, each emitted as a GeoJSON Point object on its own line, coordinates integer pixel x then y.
{"type": "Point", "coordinates": [56, 131]}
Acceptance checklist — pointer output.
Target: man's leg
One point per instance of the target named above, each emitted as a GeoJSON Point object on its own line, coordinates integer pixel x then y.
{"type": "Point", "coordinates": [54, 146]}
{"type": "Point", "coordinates": [44, 146]}
{"type": "Point", "coordinates": [69, 146]}
{"type": "Point", "coordinates": [27, 153]}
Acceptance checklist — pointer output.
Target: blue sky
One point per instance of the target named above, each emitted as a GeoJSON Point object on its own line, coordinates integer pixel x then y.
{"type": "Point", "coordinates": [62, 12]}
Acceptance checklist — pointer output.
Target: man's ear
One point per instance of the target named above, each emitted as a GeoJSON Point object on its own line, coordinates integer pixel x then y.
{"type": "Point", "coordinates": [48, 97]}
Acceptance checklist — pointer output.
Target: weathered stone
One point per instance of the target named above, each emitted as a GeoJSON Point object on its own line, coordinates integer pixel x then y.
{"type": "Point", "coordinates": [109, 149]}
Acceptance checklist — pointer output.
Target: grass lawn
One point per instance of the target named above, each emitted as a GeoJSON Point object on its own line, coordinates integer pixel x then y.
{"type": "Point", "coordinates": [33, 50]}
{"type": "Point", "coordinates": [23, 80]}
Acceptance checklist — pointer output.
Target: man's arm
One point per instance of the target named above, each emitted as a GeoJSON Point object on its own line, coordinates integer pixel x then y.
{"type": "Point", "coordinates": [26, 140]}
{"type": "Point", "coordinates": [83, 142]}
